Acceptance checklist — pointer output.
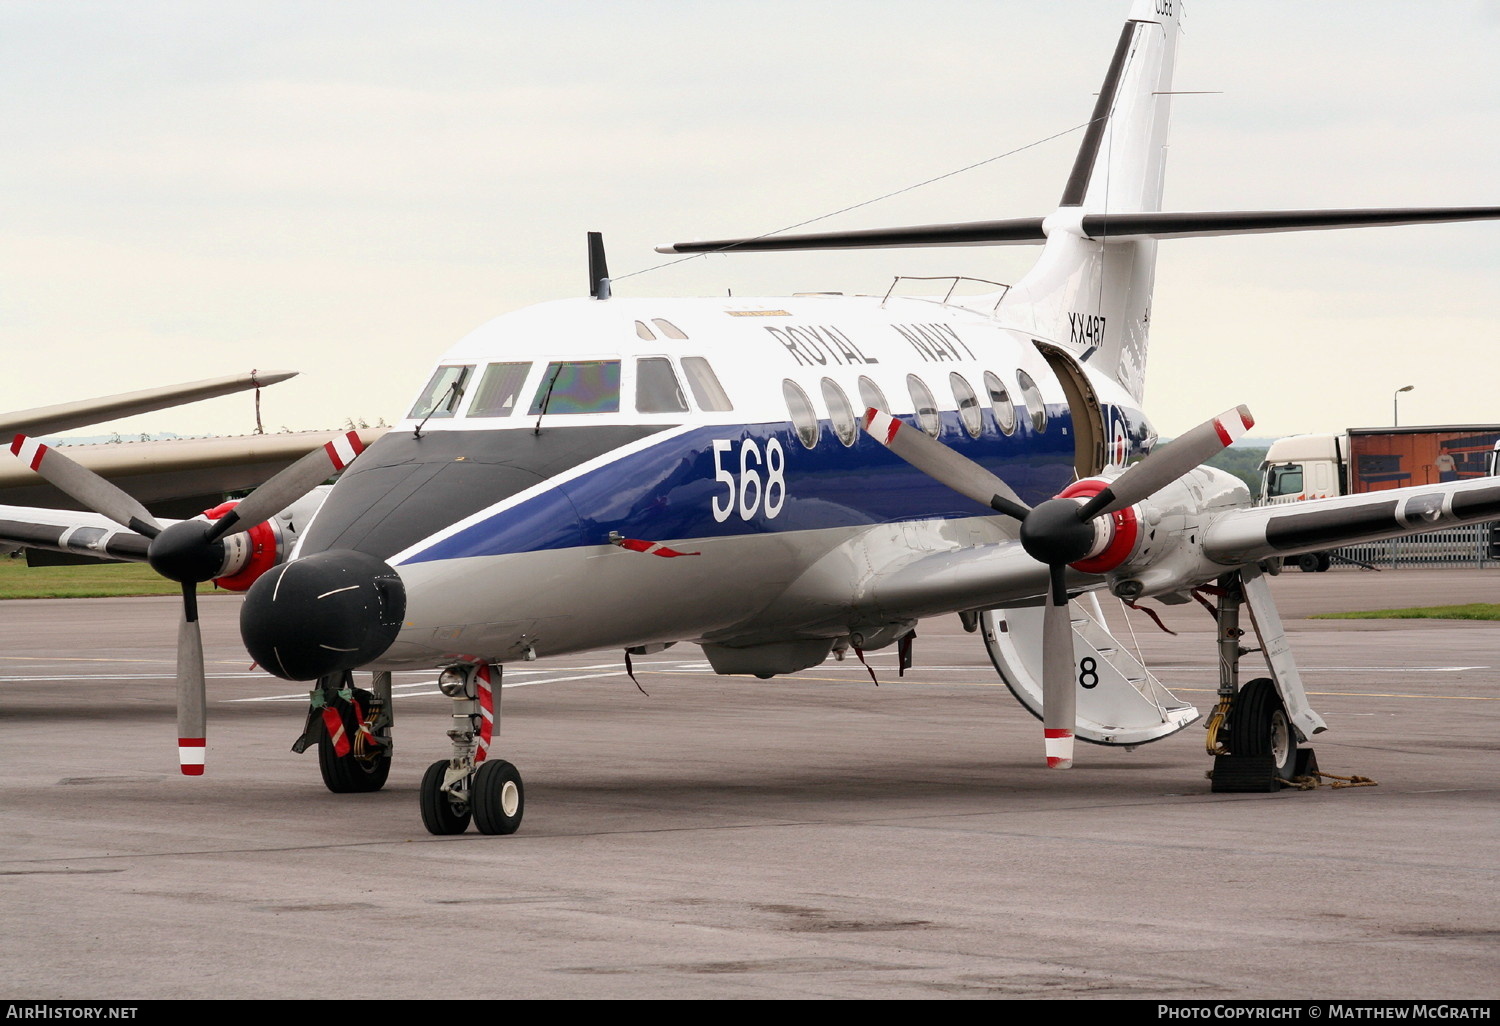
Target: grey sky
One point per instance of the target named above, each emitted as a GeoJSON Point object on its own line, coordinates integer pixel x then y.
{"type": "Point", "coordinates": [191, 189]}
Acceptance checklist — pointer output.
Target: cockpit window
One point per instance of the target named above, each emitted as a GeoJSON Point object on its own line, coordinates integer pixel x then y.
{"type": "Point", "coordinates": [705, 385]}
{"type": "Point", "coordinates": [656, 387]}
{"type": "Point", "coordinates": [668, 328]}
{"type": "Point", "coordinates": [499, 390]}
{"type": "Point", "coordinates": [585, 386]}
{"type": "Point", "coordinates": [443, 393]}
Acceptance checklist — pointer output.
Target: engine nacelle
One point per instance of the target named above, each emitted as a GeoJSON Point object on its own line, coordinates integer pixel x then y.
{"type": "Point", "coordinates": [248, 554]}
{"type": "Point", "coordinates": [1167, 555]}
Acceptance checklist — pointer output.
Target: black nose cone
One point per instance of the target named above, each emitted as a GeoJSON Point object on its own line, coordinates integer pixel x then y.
{"type": "Point", "coordinates": [332, 611]}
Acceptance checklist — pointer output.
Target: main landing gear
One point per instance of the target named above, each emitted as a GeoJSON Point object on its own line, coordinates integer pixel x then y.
{"type": "Point", "coordinates": [352, 729]}
{"type": "Point", "coordinates": [1251, 733]}
{"type": "Point", "coordinates": [470, 786]}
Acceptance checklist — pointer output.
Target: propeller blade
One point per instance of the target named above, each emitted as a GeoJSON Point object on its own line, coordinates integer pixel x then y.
{"type": "Point", "coordinates": [191, 697]}
{"type": "Point", "coordinates": [941, 463]}
{"type": "Point", "coordinates": [289, 485]}
{"type": "Point", "coordinates": [87, 487]}
{"type": "Point", "coordinates": [1059, 699]}
{"type": "Point", "coordinates": [1171, 461]}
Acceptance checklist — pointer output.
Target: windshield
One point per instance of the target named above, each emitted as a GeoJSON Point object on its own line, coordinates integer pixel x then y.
{"type": "Point", "coordinates": [1285, 479]}
{"type": "Point", "coordinates": [590, 386]}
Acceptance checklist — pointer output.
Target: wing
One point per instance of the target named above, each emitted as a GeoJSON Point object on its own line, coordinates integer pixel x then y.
{"type": "Point", "coordinates": [197, 470]}
{"type": "Point", "coordinates": [1249, 535]}
{"type": "Point", "coordinates": [60, 530]}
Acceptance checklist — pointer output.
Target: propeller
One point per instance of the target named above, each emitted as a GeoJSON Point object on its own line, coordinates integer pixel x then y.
{"type": "Point", "coordinates": [190, 551]}
{"type": "Point", "coordinates": [1059, 532]}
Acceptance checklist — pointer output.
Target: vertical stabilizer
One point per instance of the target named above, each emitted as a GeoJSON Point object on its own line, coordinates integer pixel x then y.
{"type": "Point", "coordinates": [1095, 296]}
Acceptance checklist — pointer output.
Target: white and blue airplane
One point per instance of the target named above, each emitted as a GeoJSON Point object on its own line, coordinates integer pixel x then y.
{"type": "Point", "coordinates": [783, 479]}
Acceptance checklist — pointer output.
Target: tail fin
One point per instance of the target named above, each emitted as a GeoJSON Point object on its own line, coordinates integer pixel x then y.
{"type": "Point", "coordinates": [1091, 289]}
{"type": "Point", "coordinates": [1096, 294]}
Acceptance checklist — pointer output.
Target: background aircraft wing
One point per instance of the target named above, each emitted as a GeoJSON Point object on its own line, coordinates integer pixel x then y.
{"type": "Point", "coordinates": [175, 478]}
{"type": "Point", "coordinates": [46, 420]}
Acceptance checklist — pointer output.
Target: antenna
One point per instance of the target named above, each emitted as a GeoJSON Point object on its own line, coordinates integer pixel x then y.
{"type": "Point", "coordinates": [598, 269]}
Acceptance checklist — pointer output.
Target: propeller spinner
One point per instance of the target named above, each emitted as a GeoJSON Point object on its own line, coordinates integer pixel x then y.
{"type": "Point", "coordinates": [1069, 530]}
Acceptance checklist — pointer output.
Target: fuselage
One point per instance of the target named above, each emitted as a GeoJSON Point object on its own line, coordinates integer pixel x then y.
{"type": "Point", "coordinates": [551, 442]}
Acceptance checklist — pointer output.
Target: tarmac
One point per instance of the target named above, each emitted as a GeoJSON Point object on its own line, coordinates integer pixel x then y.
{"type": "Point", "coordinates": [810, 836]}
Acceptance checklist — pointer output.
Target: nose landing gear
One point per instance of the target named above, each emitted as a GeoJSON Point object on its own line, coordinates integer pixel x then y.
{"type": "Point", "coordinates": [468, 786]}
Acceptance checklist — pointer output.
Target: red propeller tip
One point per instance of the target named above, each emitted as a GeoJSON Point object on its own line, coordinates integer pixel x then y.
{"type": "Point", "coordinates": [1059, 748]}
{"type": "Point", "coordinates": [190, 753]}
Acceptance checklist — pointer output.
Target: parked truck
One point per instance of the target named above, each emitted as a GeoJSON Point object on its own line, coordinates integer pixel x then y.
{"type": "Point", "coordinates": [1374, 459]}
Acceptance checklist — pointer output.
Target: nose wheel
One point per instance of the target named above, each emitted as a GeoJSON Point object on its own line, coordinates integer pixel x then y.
{"type": "Point", "coordinates": [470, 787]}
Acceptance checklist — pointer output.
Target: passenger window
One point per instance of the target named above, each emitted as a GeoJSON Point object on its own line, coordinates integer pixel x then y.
{"type": "Point", "coordinates": [1000, 402]}
{"type": "Point", "coordinates": [588, 386]}
{"type": "Point", "coordinates": [443, 393]}
{"type": "Point", "coordinates": [704, 382]}
{"type": "Point", "coordinates": [1032, 397]}
{"type": "Point", "coordinates": [968, 404]}
{"type": "Point", "coordinates": [871, 395]}
{"type": "Point", "coordinates": [840, 413]}
{"type": "Point", "coordinates": [499, 390]}
{"type": "Point", "coordinates": [656, 387]}
{"type": "Point", "coordinates": [804, 417]}
{"type": "Point", "coordinates": [925, 405]}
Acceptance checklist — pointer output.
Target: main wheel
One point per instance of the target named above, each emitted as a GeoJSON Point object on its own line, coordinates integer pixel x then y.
{"type": "Point", "coordinates": [349, 774]}
{"type": "Point", "coordinates": [366, 767]}
{"type": "Point", "coordinates": [498, 797]}
{"type": "Point", "coordinates": [441, 813]}
{"type": "Point", "coordinates": [1258, 725]}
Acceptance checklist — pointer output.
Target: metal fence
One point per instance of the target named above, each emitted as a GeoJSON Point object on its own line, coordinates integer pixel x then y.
{"type": "Point", "coordinates": [1475, 545]}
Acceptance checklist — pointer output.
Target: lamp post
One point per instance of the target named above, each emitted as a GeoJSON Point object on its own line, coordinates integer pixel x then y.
{"type": "Point", "coordinates": [1396, 404]}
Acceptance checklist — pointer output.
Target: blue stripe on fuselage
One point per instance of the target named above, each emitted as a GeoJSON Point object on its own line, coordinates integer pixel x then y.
{"type": "Point", "coordinates": [668, 490]}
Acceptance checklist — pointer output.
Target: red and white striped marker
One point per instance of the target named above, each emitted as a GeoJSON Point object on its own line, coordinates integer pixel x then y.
{"type": "Point", "coordinates": [486, 695]}
{"type": "Point", "coordinates": [882, 425]}
{"type": "Point", "coordinates": [342, 450]}
{"type": "Point", "coordinates": [28, 450]}
{"type": "Point", "coordinates": [1059, 748]}
{"type": "Point", "coordinates": [191, 752]}
{"type": "Point", "coordinates": [1232, 424]}
{"type": "Point", "coordinates": [651, 548]}
{"type": "Point", "coordinates": [334, 724]}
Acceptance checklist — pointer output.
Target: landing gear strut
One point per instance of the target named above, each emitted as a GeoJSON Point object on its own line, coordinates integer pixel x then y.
{"type": "Point", "coordinates": [352, 729]}
{"type": "Point", "coordinates": [469, 786]}
{"type": "Point", "coordinates": [1251, 736]}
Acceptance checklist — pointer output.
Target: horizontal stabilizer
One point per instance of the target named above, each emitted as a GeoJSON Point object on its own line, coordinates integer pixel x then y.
{"type": "Point", "coordinates": [1012, 232]}
{"type": "Point", "coordinates": [1188, 224]}
{"type": "Point", "coordinates": [1119, 227]}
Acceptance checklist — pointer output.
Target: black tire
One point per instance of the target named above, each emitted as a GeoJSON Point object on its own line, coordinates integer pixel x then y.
{"type": "Point", "coordinates": [1259, 726]}
{"type": "Point", "coordinates": [441, 815]}
{"type": "Point", "coordinates": [499, 798]}
{"type": "Point", "coordinates": [350, 774]}
{"type": "Point", "coordinates": [1311, 562]}
{"type": "Point", "coordinates": [1324, 561]}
